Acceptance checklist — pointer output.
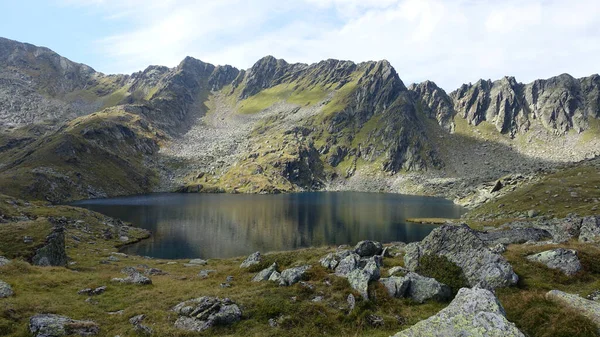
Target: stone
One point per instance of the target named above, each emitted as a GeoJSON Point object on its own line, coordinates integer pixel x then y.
{"type": "Point", "coordinates": [205, 272]}
{"type": "Point", "coordinates": [202, 313]}
{"type": "Point", "coordinates": [386, 252]}
{"type": "Point", "coordinates": [265, 274]}
{"type": "Point", "coordinates": [136, 321]}
{"type": "Point", "coordinates": [499, 248]}
{"type": "Point", "coordinates": [92, 292]}
{"type": "Point", "coordinates": [134, 277]}
{"type": "Point", "coordinates": [375, 320]}
{"type": "Point", "coordinates": [47, 325]}
{"type": "Point", "coordinates": [368, 248]}
{"type": "Point", "coordinates": [293, 275]}
{"type": "Point", "coordinates": [473, 312]}
{"type": "Point", "coordinates": [53, 252]}
{"type": "Point", "coordinates": [254, 258]}
{"type": "Point", "coordinates": [317, 299]}
{"type": "Point", "coordinates": [113, 258]}
{"type": "Point", "coordinates": [5, 290]}
{"type": "Point", "coordinates": [347, 265]}
{"type": "Point", "coordinates": [588, 308]}
{"type": "Point", "coordinates": [225, 285]}
{"type": "Point", "coordinates": [513, 235]}
{"type": "Point", "coordinates": [396, 286]}
{"type": "Point", "coordinates": [590, 229]}
{"type": "Point", "coordinates": [154, 272]}
{"type": "Point", "coordinates": [351, 302]}
{"type": "Point", "coordinates": [532, 213]}
{"type": "Point", "coordinates": [196, 263]}
{"type": "Point", "coordinates": [565, 260]}
{"type": "Point", "coordinates": [275, 277]}
{"type": "Point", "coordinates": [4, 261]}
{"type": "Point", "coordinates": [27, 239]}
{"type": "Point", "coordinates": [329, 261]}
{"type": "Point", "coordinates": [421, 289]}
{"type": "Point", "coordinates": [594, 296]}
{"type": "Point", "coordinates": [359, 278]}
{"type": "Point", "coordinates": [462, 246]}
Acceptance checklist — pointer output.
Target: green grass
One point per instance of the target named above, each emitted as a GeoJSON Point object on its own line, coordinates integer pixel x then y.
{"type": "Point", "coordinates": [441, 269]}
{"type": "Point", "coordinates": [289, 92]}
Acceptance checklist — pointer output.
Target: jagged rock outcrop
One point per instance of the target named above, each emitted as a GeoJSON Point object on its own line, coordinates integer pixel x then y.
{"type": "Point", "coordinates": [559, 103]}
{"type": "Point", "coordinates": [435, 103]}
{"type": "Point", "coordinates": [473, 312]}
{"type": "Point", "coordinates": [462, 246]}
{"type": "Point", "coordinates": [514, 235]}
{"type": "Point", "coordinates": [590, 229]}
{"type": "Point", "coordinates": [251, 260]}
{"type": "Point", "coordinates": [416, 287]}
{"type": "Point", "coordinates": [53, 252]}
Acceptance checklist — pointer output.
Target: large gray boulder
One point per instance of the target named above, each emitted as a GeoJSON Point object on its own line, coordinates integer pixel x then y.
{"type": "Point", "coordinates": [368, 248]}
{"type": "Point", "coordinates": [252, 259]}
{"type": "Point", "coordinates": [5, 290]}
{"type": "Point", "coordinates": [46, 325]}
{"type": "Point", "coordinates": [473, 313]}
{"type": "Point", "coordinates": [347, 265]}
{"type": "Point", "coordinates": [416, 287]}
{"type": "Point", "coordinates": [565, 260]}
{"type": "Point", "coordinates": [588, 308]}
{"type": "Point", "coordinates": [329, 261]}
{"type": "Point", "coordinates": [462, 246]}
{"type": "Point", "coordinates": [264, 274]}
{"type": "Point", "coordinates": [515, 235]}
{"type": "Point", "coordinates": [359, 278]}
{"type": "Point", "coordinates": [590, 229]}
{"type": "Point", "coordinates": [133, 277]}
{"type": "Point", "coordinates": [53, 252]}
{"type": "Point", "coordinates": [202, 313]}
{"type": "Point", "coordinates": [292, 275]}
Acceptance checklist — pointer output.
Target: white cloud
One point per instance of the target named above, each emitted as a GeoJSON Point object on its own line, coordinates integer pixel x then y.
{"type": "Point", "coordinates": [449, 42]}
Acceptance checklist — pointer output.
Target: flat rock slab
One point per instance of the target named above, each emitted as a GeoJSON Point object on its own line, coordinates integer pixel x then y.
{"type": "Point", "coordinates": [565, 260]}
{"type": "Point", "coordinates": [588, 308]}
{"type": "Point", "coordinates": [473, 313]}
{"type": "Point", "coordinates": [46, 325]}
{"type": "Point", "coordinates": [202, 313]}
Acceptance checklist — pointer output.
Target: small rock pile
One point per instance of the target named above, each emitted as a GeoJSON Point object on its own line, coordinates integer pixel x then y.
{"type": "Point", "coordinates": [202, 313]}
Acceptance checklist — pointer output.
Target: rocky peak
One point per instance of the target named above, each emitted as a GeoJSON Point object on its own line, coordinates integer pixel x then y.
{"type": "Point", "coordinates": [590, 89]}
{"type": "Point", "coordinates": [435, 103]}
{"type": "Point", "coordinates": [222, 76]}
{"type": "Point", "coordinates": [265, 73]}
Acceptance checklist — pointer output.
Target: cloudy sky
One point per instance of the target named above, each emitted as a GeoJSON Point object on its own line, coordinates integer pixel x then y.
{"type": "Point", "coordinates": [448, 41]}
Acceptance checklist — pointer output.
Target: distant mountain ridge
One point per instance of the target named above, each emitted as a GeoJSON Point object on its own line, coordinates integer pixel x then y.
{"type": "Point", "coordinates": [275, 127]}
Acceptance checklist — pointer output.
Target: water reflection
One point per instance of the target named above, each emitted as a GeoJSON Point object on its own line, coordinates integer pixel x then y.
{"type": "Point", "coordinates": [226, 225]}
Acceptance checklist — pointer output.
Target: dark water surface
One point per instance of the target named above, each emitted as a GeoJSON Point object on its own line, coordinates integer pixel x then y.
{"type": "Point", "coordinates": [227, 225]}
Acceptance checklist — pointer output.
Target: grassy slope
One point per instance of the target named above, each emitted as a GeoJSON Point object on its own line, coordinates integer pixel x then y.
{"type": "Point", "coordinates": [100, 152]}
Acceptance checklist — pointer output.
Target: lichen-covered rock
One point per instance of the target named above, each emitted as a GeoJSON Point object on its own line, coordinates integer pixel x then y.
{"type": "Point", "coordinates": [588, 308]}
{"type": "Point", "coordinates": [515, 235]}
{"type": "Point", "coordinates": [265, 274]}
{"type": "Point", "coordinates": [133, 277]}
{"type": "Point", "coordinates": [590, 229]}
{"type": "Point", "coordinates": [397, 271]}
{"type": "Point", "coordinates": [292, 275]}
{"type": "Point", "coordinates": [46, 325]}
{"type": "Point", "coordinates": [473, 313]}
{"type": "Point", "coordinates": [251, 260]}
{"type": "Point", "coordinates": [275, 277]}
{"type": "Point", "coordinates": [359, 278]}
{"type": "Point", "coordinates": [5, 290]}
{"type": "Point", "coordinates": [368, 248]}
{"type": "Point", "coordinates": [53, 252]}
{"type": "Point", "coordinates": [462, 246]}
{"type": "Point", "coordinates": [4, 261]}
{"type": "Point", "coordinates": [565, 260]}
{"type": "Point", "coordinates": [202, 313]}
{"type": "Point", "coordinates": [196, 263]}
{"type": "Point", "coordinates": [416, 287]}
{"type": "Point", "coordinates": [347, 264]}
{"type": "Point", "coordinates": [329, 261]}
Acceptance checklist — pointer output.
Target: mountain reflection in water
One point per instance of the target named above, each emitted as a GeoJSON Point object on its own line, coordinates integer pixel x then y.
{"type": "Point", "coordinates": [227, 225]}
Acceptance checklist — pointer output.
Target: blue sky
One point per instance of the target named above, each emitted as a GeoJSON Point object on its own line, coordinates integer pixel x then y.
{"type": "Point", "coordinates": [447, 41]}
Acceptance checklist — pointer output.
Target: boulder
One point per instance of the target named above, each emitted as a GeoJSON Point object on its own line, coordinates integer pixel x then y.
{"type": "Point", "coordinates": [134, 277]}
{"type": "Point", "coordinates": [397, 271]}
{"type": "Point", "coordinates": [265, 274]}
{"type": "Point", "coordinates": [275, 277]}
{"type": "Point", "coordinates": [196, 263]}
{"type": "Point", "coordinates": [4, 261]}
{"type": "Point", "coordinates": [347, 264]}
{"type": "Point", "coordinates": [515, 235]}
{"type": "Point", "coordinates": [588, 308]}
{"type": "Point", "coordinates": [53, 252]}
{"type": "Point", "coordinates": [92, 291]}
{"type": "Point", "coordinates": [204, 273]}
{"type": "Point", "coordinates": [565, 260]}
{"type": "Point", "coordinates": [359, 278]}
{"type": "Point", "coordinates": [46, 325]}
{"type": "Point", "coordinates": [590, 229]}
{"type": "Point", "coordinates": [368, 248]}
{"type": "Point", "coordinates": [202, 313]}
{"type": "Point", "coordinates": [292, 275]}
{"type": "Point", "coordinates": [329, 261]}
{"type": "Point", "coordinates": [462, 246]}
{"type": "Point", "coordinates": [251, 260]}
{"type": "Point", "coordinates": [416, 287]}
{"type": "Point", "coordinates": [351, 302]}
{"type": "Point", "coordinates": [140, 328]}
{"type": "Point", "coordinates": [473, 313]}
{"type": "Point", "coordinates": [5, 290]}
